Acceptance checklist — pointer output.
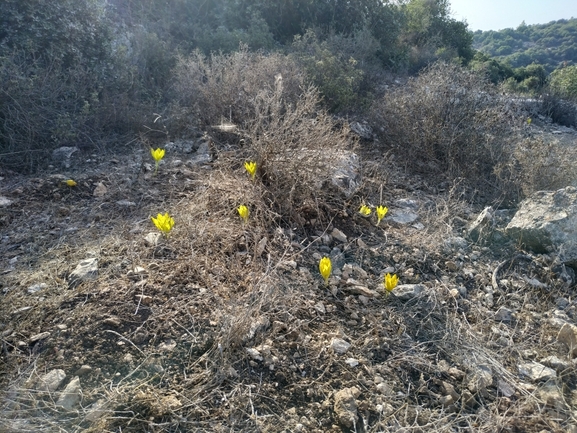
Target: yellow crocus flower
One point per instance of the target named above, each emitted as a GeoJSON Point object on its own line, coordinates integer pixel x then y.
{"type": "Point", "coordinates": [157, 154]}
{"type": "Point", "coordinates": [70, 182]}
{"type": "Point", "coordinates": [164, 223]}
{"type": "Point", "coordinates": [390, 282]}
{"type": "Point", "coordinates": [250, 167]}
{"type": "Point", "coordinates": [243, 212]}
{"type": "Point", "coordinates": [381, 212]}
{"type": "Point", "coordinates": [365, 210]}
{"type": "Point", "coordinates": [325, 268]}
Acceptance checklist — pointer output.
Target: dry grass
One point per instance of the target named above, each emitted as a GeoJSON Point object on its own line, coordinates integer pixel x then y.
{"type": "Point", "coordinates": [228, 325]}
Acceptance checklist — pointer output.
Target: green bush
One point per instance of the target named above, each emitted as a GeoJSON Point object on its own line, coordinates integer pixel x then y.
{"type": "Point", "coordinates": [336, 73]}
{"type": "Point", "coordinates": [563, 81]}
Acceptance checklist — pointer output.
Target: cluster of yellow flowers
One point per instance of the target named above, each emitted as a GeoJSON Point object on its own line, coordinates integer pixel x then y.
{"type": "Point", "coordinates": [326, 267]}
{"type": "Point", "coordinates": [380, 210]}
{"type": "Point", "coordinates": [165, 222]}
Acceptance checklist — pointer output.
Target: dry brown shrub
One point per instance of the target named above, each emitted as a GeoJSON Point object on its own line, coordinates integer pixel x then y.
{"type": "Point", "coordinates": [447, 123]}
{"type": "Point", "coordinates": [298, 149]}
{"type": "Point", "coordinates": [224, 87]}
{"type": "Point", "coordinates": [542, 163]}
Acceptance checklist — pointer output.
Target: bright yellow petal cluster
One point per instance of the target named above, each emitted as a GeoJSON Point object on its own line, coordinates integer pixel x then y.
{"type": "Point", "coordinates": [164, 223]}
{"type": "Point", "coordinates": [250, 167]}
{"type": "Point", "coordinates": [243, 212]}
{"type": "Point", "coordinates": [157, 154]}
{"type": "Point", "coordinates": [390, 282]}
{"type": "Point", "coordinates": [70, 182]}
{"type": "Point", "coordinates": [381, 212]}
{"type": "Point", "coordinates": [325, 268]}
{"type": "Point", "coordinates": [365, 210]}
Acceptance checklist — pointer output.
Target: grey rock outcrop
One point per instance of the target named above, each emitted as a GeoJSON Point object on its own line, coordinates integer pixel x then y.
{"type": "Point", "coordinates": [548, 220]}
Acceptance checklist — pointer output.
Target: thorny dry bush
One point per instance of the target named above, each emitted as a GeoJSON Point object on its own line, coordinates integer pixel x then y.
{"type": "Point", "coordinates": [447, 123]}
{"type": "Point", "coordinates": [223, 88]}
{"type": "Point", "coordinates": [544, 163]}
{"type": "Point", "coordinates": [297, 148]}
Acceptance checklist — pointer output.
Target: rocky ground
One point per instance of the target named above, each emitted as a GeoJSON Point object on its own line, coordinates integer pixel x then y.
{"type": "Point", "coordinates": [106, 326]}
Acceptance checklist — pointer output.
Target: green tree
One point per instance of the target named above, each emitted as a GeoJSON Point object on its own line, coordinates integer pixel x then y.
{"type": "Point", "coordinates": [70, 32]}
{"type": "Point", "coordinates": [563, 81]}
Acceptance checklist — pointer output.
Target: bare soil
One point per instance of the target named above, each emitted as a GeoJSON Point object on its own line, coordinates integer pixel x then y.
{"type": "Point", "coordinates": [213, 329]}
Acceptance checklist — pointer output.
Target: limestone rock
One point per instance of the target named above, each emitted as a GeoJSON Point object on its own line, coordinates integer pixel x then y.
{"type": "Point", "coordinates": [402, 216]}
{"type": "Point", "coordinates": [347, 172]}
{"type": "Point", "coordinates": [152, 238]}
{"type": "Point", "coordinates": [5, 202]}
{"type": "Point", "coordinates": [339, 235]}
{"type": "Point", "coordinates": [345, 406]}
{"type": "Point", "coordinates": [51, 380]}
{"type": "Point", "coordinates": [340, 346]}
{"type": "Point", "coordinates": [480, 379]}
{"type": "Point", "coordinates": [202, 155]}
{"type": "Point", "coordinates": [406, 292]}
{"type": "Point", "coordinates": [36, 288]}
{"type": "Point", "coordinates": [86, 270]}
{"type": "Point", "coordinates": [536, 371]}
{"type": "Point", "coordinates": [71, 395]}
{"type": "Point", "coordinates": [481, 229]}
{"type": "Point", "coordinates": [100, 190]}
{"type": "Point", "coordinates": [548, 220]}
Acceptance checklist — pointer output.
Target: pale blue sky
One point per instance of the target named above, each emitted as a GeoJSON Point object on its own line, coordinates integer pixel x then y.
{"type": "Point", "coordinates": [502, 14]}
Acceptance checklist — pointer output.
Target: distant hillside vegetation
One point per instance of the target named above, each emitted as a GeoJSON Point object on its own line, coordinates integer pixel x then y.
{"type": "Point", "coordinates": [550, 45]}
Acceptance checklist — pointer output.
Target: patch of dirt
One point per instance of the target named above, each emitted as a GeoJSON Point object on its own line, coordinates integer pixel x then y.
{"type": "Point", "coordinates": [225, 326]}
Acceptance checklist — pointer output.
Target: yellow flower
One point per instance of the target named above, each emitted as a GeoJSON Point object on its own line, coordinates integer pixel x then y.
{"type": "Point", "coordinates": [69, 182]}
{"type": "Point", "coordinates": [390, 282]}
{"type": "Point", "coordinates": [243, 212]}
{"type": "Point", "coordinates": [164, 223]}
{"type": "Point", "coordinates": [250, 167]}
{"type": "Point", "coordinates": [529, 121]}
{"type": "Point", "coordinates": [365, 210]}
{"type": "Point", "coordinates": [157, 154]}
{"type": "Point", "coordinates": [325, 268]}
{"type": "Point", "coordinates": [381, 212]}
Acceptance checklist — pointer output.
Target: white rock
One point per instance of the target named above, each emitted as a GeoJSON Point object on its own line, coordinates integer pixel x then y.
{"type": "Point", "coordinates": [402, 216]}
{"type": "Point", "coordinates": [125, 203]}
{"type": "Point", "coordinates": [406, 292]}
{"type": "Point", "coordinates": [71, 395]}
{"type": "Point", "coordinates": [254, 354]}
{"type": "Point", "coordinates": [36, 288]}
{"type": "Point", "coordinates": [339, 235]}
{"type": "Point", "coordinates": [340, 346]}
{"type": "Point", "coordinates": [51, 380]}
{"type": "Point", "coordinates": [352, 362]}
{"type": "Point", "coordinates": [151, 239]}
{"type": "Point", "coordinates": [536, 371]}
{"type": "Point", "coordinates": [100, 190]}
{"type": "Point", "coordinates": [86, 270]}
{"type": "Point", "coordinates": [5, 202]}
